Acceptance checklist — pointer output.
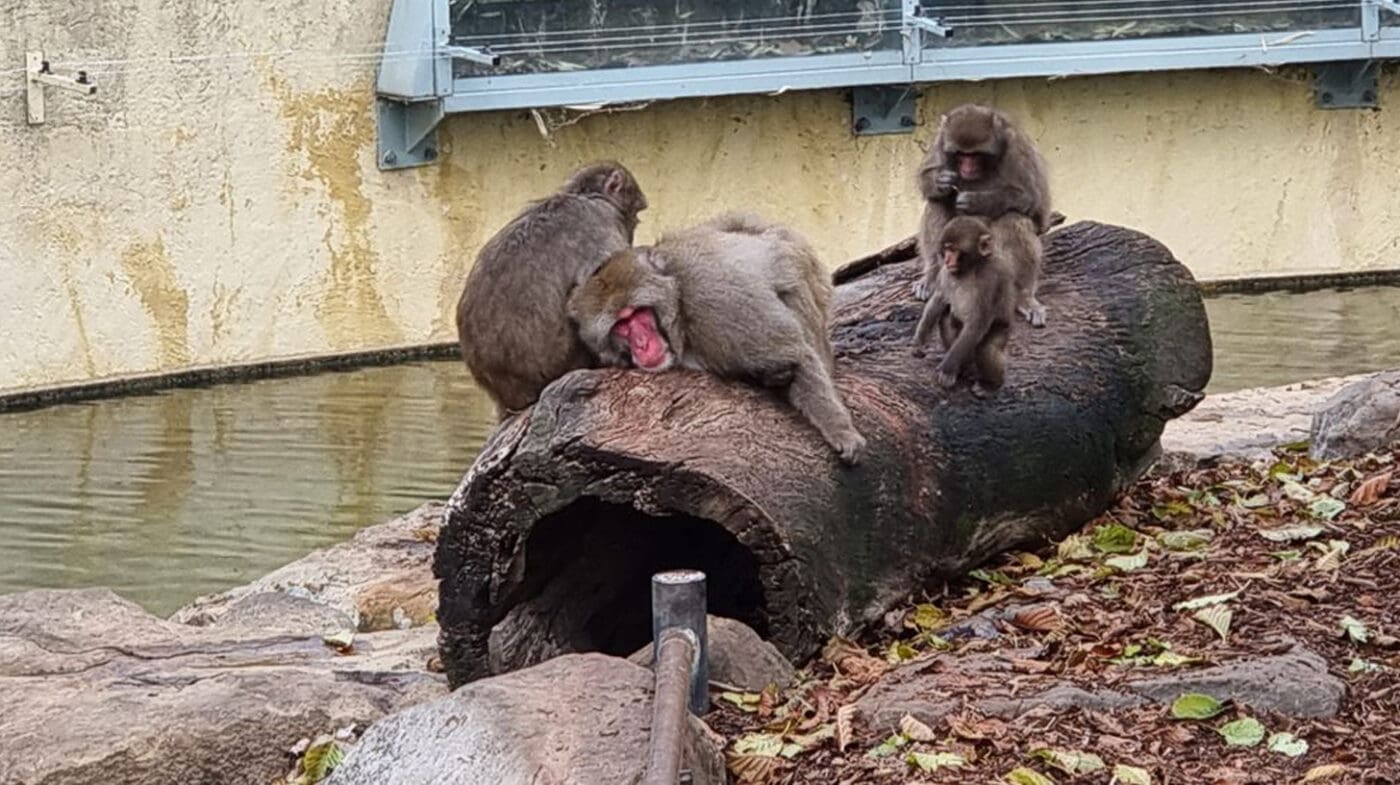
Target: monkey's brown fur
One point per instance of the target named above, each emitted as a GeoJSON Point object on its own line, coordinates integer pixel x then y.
{"type": "Point", "coordinates": [976, 299]}
{"type": "Point", "coordinates": [737, 297]}
{"type": "Point", "coordinates": [511, 321]}
{"type": "Point", "coordinates": [1008, 176]}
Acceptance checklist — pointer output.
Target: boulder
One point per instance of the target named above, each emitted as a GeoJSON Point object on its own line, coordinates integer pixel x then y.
{"type": "Point", "coordinates": [1246, 425]}
{"type": "Point", "coordinates": [97, 690]}
{"type": "Point", "coordinates": [1362, 417]}
{"type": "Point", "coordinates": [580, 719]}
{"type": "Point", "coordinates": [1296, 683]}
{"type": "Point", "coordinates": [738, 657]}
{"type": "Point", "coordinates": [382, 578]}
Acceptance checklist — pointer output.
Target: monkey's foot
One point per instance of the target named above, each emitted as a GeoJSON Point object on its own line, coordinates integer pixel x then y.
{"type": "Point", "coordinates": [982, 390]}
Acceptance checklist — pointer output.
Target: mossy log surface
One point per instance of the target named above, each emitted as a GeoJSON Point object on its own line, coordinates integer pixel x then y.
{"type": "Point", "coordinates": [551, 538]}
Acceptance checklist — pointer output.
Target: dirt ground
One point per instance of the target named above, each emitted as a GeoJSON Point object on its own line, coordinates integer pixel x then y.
{"type": "Point", "coordinates": [1215, 566]}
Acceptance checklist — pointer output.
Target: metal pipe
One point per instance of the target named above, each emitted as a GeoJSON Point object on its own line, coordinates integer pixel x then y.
{"type": "Point", "coordinates": [678, 602]}
{"type": "Point", "coordinates": [675, 656]}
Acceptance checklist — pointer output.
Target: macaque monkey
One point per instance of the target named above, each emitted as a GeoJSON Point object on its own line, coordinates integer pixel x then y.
{"type": "Point", "coordinates": [736, 296]}
{"type": "Point", "coordinates": [981, 165]}
{"type": "Point", "coordinates": [975, 302]}
{"type": "Point", "coordinates": [511, 320]}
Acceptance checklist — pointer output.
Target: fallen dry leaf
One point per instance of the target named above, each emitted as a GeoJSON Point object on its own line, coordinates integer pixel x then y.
{"type": "Point", "coordinates": [1324, 772]}
{"type": "Point", "coordinates": [756, 769]}
{"type": "Point", "coordinates": [1370, 490]}
{"type": "Point", "coordinates": [845, 720]}
{"type": "Point", "coordinates": [1038, 618]}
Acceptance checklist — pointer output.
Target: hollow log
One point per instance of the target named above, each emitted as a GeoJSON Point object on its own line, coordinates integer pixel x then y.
{"type": "Point", "coordinates": [550, 541]}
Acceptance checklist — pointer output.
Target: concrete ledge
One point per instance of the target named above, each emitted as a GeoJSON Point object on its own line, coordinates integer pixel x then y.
{"type": "Point", "coordinates": [224, 374]}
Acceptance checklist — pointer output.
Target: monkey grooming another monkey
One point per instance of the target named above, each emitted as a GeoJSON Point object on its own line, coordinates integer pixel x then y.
{"type": "Point", "coordinates": [975, 301]}
{"type": "Point", "coordinates": [511, 321]}
{"type": "Point", "coordinates": [736, 296]}
{"type": "Point", "coordinates": [981, 164]}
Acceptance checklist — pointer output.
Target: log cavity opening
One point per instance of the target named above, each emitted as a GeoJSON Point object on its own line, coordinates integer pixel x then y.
{"type": "Point", "coordinates": [587, 583]}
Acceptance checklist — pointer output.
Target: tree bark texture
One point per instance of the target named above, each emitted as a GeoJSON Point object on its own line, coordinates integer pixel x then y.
{"type": "Point", "coordinates": [550, 540]}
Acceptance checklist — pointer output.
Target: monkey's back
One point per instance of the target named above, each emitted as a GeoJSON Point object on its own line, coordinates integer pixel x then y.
{"type": "Point", "coordinates": [747, 286]}
{"type": "Point", "coordinates": [511, 321]}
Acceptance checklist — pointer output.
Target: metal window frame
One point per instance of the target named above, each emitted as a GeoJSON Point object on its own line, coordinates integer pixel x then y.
{"type": "Point", "coordinates": [415, 92]}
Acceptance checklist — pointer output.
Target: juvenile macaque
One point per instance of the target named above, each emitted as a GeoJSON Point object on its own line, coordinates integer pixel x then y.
{"type": "Point", "coordinates": [981, 165]}
{"type": "Point", "coordinates": [975, 301]}
{"type": "Point", "coordinates": [737, 297]}
{"type": "Point", "coordinates": [511, 320]}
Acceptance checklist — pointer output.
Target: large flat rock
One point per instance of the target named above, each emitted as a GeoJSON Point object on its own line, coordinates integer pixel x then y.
{"type": "Point", "coordinates": [580, 719]}
{"type": "Point", "coordinates": [381, 579]}
{"type": "Point", "coordinates": [1247, 424]}
{"type": "Point", "coordinates": [93, 689]}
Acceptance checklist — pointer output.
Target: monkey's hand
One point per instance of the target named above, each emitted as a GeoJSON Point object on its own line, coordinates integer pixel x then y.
{"type": "Point", "coordinates": [944, 184]}
{"type": "Point", "coordinates": [850, 446]}
{"type": "Point", "coordinates": [975, 203]}
{"type": "Point", "coordinates": [922, 289]}
{"type": "Point", "coordinates": [1033, 313]}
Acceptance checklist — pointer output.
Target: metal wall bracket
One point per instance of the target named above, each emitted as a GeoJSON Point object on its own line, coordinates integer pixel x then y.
{"type": "Point", "coordinates": [883, 109]}
{"type": "Point", "coordinates": [407, 132]}
{"type": "Point", "coordinates": [1347, 84]}
{"type": "Point", "coordinates": [38, 75]}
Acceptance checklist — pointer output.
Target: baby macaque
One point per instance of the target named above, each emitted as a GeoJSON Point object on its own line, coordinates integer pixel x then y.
{"type": "Point", "coordinates": [736, 296]}
{"type": "Point", "coordinates": [975, 302]}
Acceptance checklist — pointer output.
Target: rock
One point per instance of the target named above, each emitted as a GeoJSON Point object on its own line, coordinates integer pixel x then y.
{"type": "Point", "coordinates": [397, 602]}
{"type": "Point", "coordinates": [580, 719]}
{"type": "Point", "coordinates": [277, 612]}
{"type": "Point", "coordinates": [382, 568]}
{"type": "Point", "coordinates": [1062, 697]}
{"type": "Point", "coordinates": [1246, 424]}
{"type": "Point", "coordinates": [738, 657]}
{"type": "Point", "coordinates": [1295, 683]}
{"type": "Point", "coordinates": [1362, 417]}
{"type": "Point", "coordinates": [98, 690]}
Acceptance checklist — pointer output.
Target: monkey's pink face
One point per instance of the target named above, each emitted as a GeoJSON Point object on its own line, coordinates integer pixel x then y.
{"type": "Point", "coordinates": [969, 166]}
{"type": "Point", "coordinates": [648, 346]}
{"type": "Point", "coordinates": [951, 259]}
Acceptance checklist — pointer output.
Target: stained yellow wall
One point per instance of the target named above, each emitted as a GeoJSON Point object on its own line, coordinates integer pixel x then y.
{"type": "Point", "coordinates": [227, 208]}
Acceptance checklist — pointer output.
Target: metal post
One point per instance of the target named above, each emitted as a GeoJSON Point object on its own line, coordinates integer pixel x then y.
{"type": "Point", "coordinates": [674, 657]}
{"type": "Point", "coordinates": [681, 667]}
{"type": "Point", "coordinates": [678, 602]}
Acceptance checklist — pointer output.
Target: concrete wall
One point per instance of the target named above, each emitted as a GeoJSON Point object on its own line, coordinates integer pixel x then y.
{"type": "Point", "coordinates": [227, 208]}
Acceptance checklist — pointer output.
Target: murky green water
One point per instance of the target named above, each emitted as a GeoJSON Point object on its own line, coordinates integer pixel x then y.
{"type": "Point", "coordinates": [1262, 340]}
{"type": "Point", "coordinates": [169, 496]}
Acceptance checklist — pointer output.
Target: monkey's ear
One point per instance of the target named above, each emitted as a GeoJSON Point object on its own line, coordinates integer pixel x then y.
{"type": "Point", "coordinates": [615, 183]}
{"type": "Point", "coordinates": [984, 244]}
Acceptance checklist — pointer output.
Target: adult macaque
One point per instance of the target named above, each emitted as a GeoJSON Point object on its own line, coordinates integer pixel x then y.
{"type": "Point", "coordinates": [736, 296]}
{"type": "Point", "coordinates": [981, 165]}
{"type": "Point", "coordinates": [511, 320]}
{"type": "Point", "coordinates": [975, 301]}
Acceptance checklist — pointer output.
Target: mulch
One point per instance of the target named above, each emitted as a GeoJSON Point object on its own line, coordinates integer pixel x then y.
{"type": "Point", "coordinates": [1308, 553]}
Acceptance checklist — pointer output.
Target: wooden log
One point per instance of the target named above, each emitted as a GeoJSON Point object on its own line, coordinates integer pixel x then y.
{"type": "Point", "coordinates": [550, 540]}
